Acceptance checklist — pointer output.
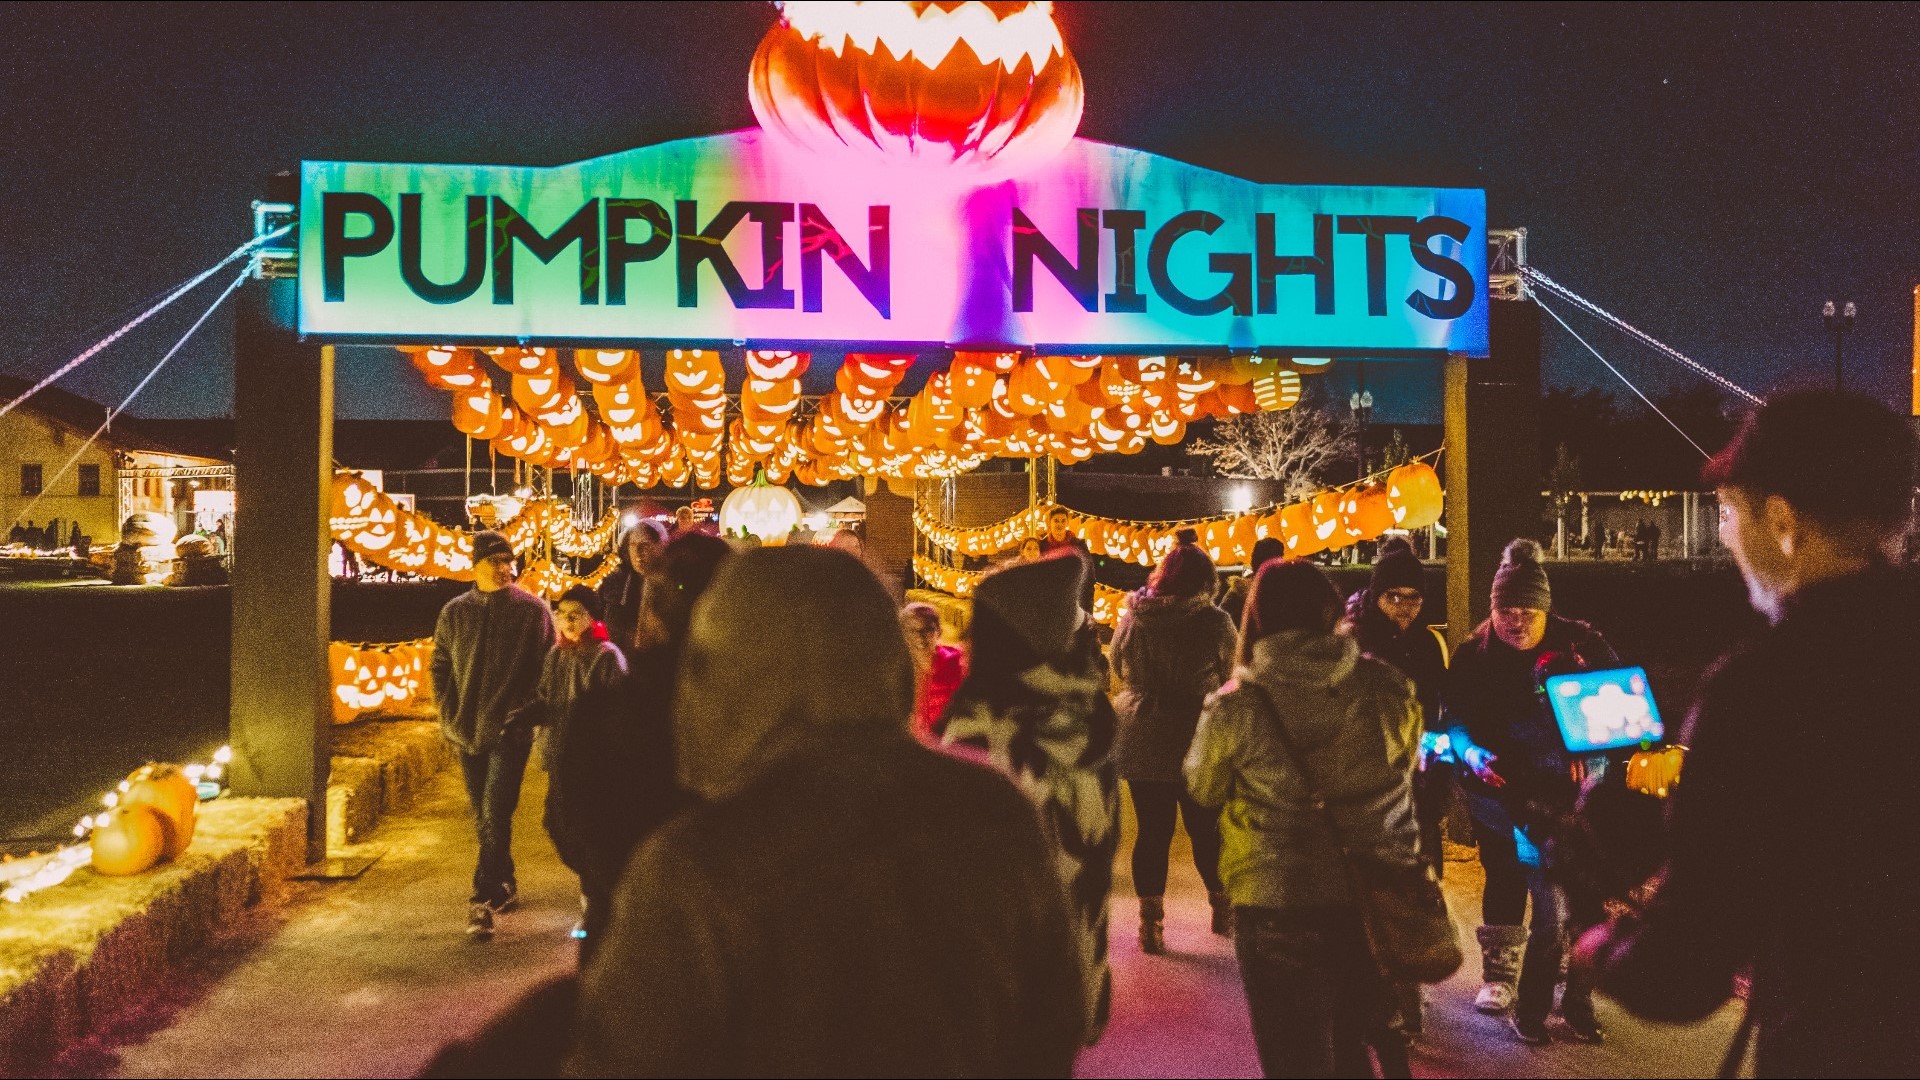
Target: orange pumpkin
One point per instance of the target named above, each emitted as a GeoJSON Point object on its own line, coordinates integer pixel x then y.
{"type": "Point", "coordinates": [1655, 772]}
{"type": "Point", "coordinates": [1297, 531]}
{"type": "Point", "coordinates": [987, 88]}
{"type": "Point", "coordinates": [129, 841]}
{"type": "Point", "coordinates": [166, 789]}
{"type": "Point", "coordinates": [1413, 491]}
{"type": "Point", "coordinates": [1324, 513]}
{"type": "Point", "coordinates": [1365, 514]}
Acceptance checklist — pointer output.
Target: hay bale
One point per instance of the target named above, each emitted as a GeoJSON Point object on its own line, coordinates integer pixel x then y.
{"type": "Point", "coordinates": [354, 799]}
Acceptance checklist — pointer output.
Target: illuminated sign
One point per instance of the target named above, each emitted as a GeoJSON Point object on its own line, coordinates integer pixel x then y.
{"type": "Point", "coordinates": [737, 238]}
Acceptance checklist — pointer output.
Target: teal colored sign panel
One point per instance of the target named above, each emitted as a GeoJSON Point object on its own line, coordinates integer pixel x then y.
{"type": "Point", "coordinates": [739, 238]}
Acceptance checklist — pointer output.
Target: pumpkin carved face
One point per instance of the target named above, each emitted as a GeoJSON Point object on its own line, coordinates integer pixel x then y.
{"type": "Point", "coordinates": [987, 88]}
{"type": "Point", "coordinates": [1413, 491]}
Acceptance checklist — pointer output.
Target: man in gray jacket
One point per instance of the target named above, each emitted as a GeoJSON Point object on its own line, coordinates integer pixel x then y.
{"type": "Point", "coordinates": [488, 648]}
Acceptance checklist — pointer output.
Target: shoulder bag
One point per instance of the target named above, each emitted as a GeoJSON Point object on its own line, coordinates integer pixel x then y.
{"type": "Point", "coordinates": [1404, 912]}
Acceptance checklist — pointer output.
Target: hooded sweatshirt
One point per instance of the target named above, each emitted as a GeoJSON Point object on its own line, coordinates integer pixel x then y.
{"type": "Point", "coordinates": [1354, 728]}
{"type": "Point", "coordinates": [1170, 653]}
{"type": "Point", "coordinates": [488, 652]}
{"type": "Point", "coordinates": [845, 901]}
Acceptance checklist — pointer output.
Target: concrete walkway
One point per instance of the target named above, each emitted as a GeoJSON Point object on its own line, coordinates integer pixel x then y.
{"type": "Point", "coordinates": [371, 977]}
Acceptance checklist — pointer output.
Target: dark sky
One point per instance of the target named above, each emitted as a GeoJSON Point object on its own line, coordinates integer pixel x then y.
{"type": "Point", "coordinates": [1712, 172]}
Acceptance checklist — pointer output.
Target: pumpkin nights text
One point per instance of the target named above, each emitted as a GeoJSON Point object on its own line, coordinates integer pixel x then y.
{"type": "Point", "coordinates": [609, 235]}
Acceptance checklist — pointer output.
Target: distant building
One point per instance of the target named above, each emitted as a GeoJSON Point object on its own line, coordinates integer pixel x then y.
{"type": "Point", "coordinates": [129, 467]}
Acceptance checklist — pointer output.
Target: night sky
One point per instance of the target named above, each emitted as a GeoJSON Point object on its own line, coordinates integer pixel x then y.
{"type": "Point", "coordinates": [1711, 172]}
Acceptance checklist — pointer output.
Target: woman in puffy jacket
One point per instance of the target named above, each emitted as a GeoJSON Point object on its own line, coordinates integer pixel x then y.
{"type": "Point", "coordinates": [1309, 750]}
{"type": "Point", "coordinates": [1171, 649]}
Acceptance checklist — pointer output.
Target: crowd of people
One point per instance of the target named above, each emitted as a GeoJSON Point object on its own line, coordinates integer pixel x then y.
{"type": "Point", "coordinates": [813, 836]}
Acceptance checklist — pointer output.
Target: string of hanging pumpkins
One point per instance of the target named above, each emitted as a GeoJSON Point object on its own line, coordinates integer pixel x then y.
{"type": "Point", "coordinates": [1408, 496]}
{"type": "Point", "coordinates": [985, 405]}
{"type": "Point", "coordinates": [369, 523]}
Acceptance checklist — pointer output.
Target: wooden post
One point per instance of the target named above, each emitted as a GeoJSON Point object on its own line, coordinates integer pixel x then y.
{"type": "Point", "coordinates": [1492, 463]}
{"type": "Point", "coordinates": [280, 718]}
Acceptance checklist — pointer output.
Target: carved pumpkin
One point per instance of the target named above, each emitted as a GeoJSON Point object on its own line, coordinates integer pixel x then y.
{"type": "Point", "coordinates": [129, 841]}
{"type": "Point", "coordinates": [1324, 513]}
{"type": "Point", "coordinates": [1365, 514]}
{"type": "Point", "coordinates": [1413, 491]}
{"type": "Point", "coordinates": [1655, 772]}
{"type": "Point", "coordinates": [167, 790]}
{"type": "Point", "coordinates": [761, 510]}
{"type": "Point", "coordinates": [987, 88]}
{"type": "Point", "coordinates": [1298, 531]}
{"type": "Point", "coordinates": [447, 368]}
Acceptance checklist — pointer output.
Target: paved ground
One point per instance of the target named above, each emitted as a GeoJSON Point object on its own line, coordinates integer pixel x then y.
{"type": "Point", "coordinates": [371, 977]}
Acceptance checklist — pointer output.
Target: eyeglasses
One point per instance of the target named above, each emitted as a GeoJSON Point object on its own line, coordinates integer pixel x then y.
{"type": "Point", "coordinates": [1402, 597]}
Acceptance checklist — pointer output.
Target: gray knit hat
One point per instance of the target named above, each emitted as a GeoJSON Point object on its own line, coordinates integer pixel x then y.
{"type": "Point", "coordinates": [1521, 582]}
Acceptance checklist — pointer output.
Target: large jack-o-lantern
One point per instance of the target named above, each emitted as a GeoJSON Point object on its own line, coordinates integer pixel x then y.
{"type": "Point", "coordinates": [987, 87]}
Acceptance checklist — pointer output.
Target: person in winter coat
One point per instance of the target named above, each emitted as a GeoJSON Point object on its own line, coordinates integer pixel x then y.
{"type": "Point", "coordinates": [938, 670]}
{"type": "Point", "coordinates": [1791, 832]}
{"type": "Point", "coordinates": [489, 647]}
{"type": "Point", "coordinates": [1035, 704]}
{"type": "Point", "coordinates": [843, 901]}
{"type": "Point", "coordinates": [1234, 600]}
{"type": "Point", "coordinates": [582, 667]}
{"type": "Point", "coordinates": [1520, 783]}
{"type": "Point", "coordinates": [621, 592]}
{"type": "Point", "coordinates": [1310, 751]}
{"type": "Point", "coordinates": [1171, 649]}
{"type": "Point", "coordinates": [616, 772]}
{"type": "Point", "coordinates": [1384, 620]}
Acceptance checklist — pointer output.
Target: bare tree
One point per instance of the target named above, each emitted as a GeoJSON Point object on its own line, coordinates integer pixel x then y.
{"type": "Point", "coordinates": [1294, 446]}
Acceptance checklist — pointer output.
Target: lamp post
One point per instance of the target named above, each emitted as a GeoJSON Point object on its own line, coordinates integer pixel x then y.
{"type": "Point", "coordinates": [1839, 320]}
{"type": "Point", "coordinates": [1362, 405]}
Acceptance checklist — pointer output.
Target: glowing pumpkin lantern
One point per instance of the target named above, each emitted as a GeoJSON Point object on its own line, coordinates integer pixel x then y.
{"type": "Point", "coordinates": [1324, 513]}
{"type": "Point", "coordinates": [1365, 514]}
{"type": "Point", "coordinates": [1298, 532]}
{"type": "Point", "coordinates": [1413, 491]}
{"type": "Point", "coordinates": [987, 88]}
{"type": "Point", "coordinates": [1655, 772]}
{"type": "Point", "coordinates": [760, 510]}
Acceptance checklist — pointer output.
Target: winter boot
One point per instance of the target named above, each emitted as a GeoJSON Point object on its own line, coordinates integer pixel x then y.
{"type": "Point", "coordinates": [1153, 925]}
{"type": "Point", "coordinates": [1501, 948]}
{"type": "Point", "coordinates": [1222, 913]}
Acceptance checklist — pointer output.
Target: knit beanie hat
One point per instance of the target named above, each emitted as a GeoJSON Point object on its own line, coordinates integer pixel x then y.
{"type": "Point", "coordinates": [1521, 582]}
{"type": "Point", "coordinates": [487, 543]}
{"type": "Point", "coordinates": [585, 597]}
{"type": "Point", "coordinates": [1033, 607]}
{"type": "Point", "coordinates": [1397, 568]}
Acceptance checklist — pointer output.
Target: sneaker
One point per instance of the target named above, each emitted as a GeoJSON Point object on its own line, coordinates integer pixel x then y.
{"type": "Point", "coordinates": [1494, 998]}
{"type": "Point", "coordinates": [479, 922]}
{"type": "Point", "coordinates": [1531, 1032]}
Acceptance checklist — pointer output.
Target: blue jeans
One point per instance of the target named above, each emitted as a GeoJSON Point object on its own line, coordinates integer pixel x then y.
{"type": "Point", "coordinates": [1314, 993]}
{"type": "Point", "coordinates": [493, 788]}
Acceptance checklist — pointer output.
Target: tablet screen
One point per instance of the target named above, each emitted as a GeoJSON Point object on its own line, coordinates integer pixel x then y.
{"type": "Point", "coordinates": [1604, 710]}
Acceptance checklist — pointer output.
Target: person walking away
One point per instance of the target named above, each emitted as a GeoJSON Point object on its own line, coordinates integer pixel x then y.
{"type": "Point", "coordinates": [1310, 752]}
{"type": "Point", "coordinates": [843, 901]}
{"type": "Point", "coordinates": [1234, 600]}
{"type": "Point", "coordinates": [1791, 831]}
{"type": "Point", "coordinates": [1519, 783]}
{"type": "Point", "coordinates": [1035, 705]}
{"type": "Point", "coordinates": [581, 667]}
{"type": "Point", "coordinates": [1171, 649]}
{"type": "Point", "coordinates": [616, 772]}
{"type": "Point", "coordinates": [938, 669]}
{"type": "Point", "coordinates": [489, 647]}
{"type": "Point", "coordinates": [621, 592]}
{"type": "Point", "coordinates": [1386, 625]}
